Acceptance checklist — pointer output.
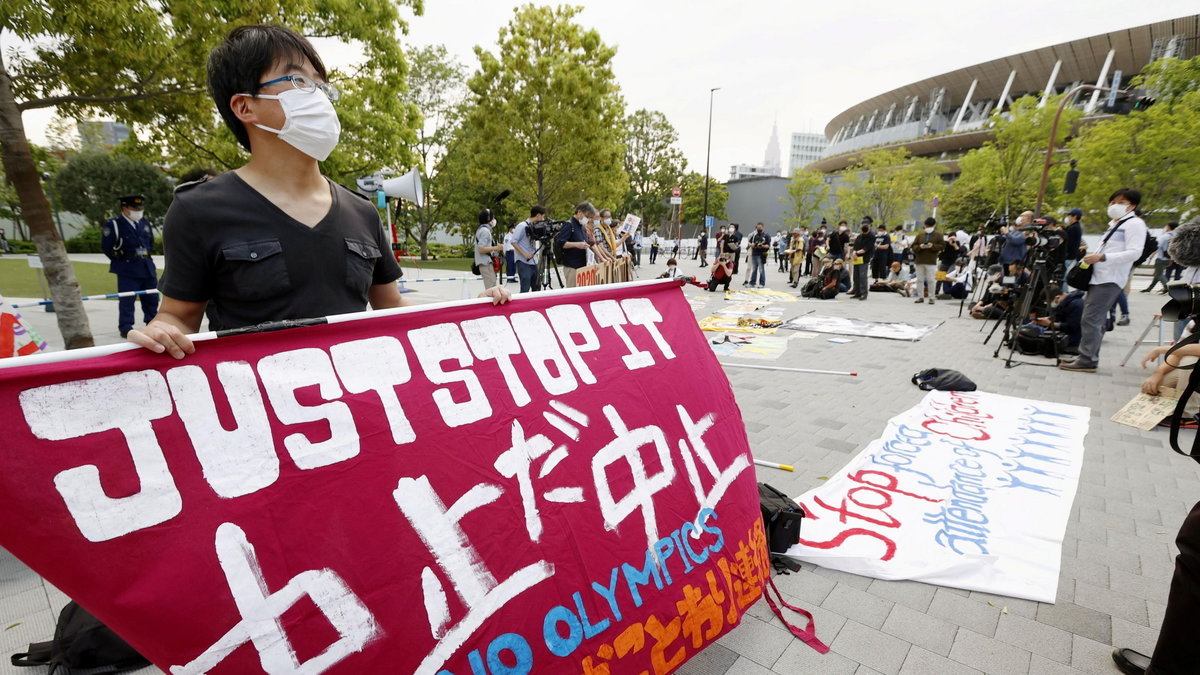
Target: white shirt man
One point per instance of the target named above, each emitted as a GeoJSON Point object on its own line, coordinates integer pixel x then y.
{"type": "Point", "coordinates": [1111, 264]}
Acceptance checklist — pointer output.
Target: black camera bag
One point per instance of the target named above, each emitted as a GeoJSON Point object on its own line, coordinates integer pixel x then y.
{"type": "Point", "coordinates": [81, 642]}
{"type": "Point", "coordinates": [942, 379]}
{"type": "Point", "coordinates": [781, 518]}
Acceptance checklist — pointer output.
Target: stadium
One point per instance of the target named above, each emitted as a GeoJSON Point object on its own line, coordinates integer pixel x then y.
{"type": "Point", "coordinates": [944, 116]}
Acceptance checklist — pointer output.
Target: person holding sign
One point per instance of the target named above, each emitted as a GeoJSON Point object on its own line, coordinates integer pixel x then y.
{"type": "Point", "coordinates": [273, 240]}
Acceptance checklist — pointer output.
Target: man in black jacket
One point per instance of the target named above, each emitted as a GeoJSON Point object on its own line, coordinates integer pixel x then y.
{"type": "Point", "coordinates": [1073, 236]}
{"type": "Point", "coordinates": [864, 252]}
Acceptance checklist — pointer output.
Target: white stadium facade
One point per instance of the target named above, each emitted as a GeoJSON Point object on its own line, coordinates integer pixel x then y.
{"type": "Point", "coordinates": [944, 116]}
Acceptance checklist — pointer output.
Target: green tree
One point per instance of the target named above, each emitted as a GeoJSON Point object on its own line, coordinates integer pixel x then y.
{"type": "Point", "coordinates": [1145, 149]}
{"type": "Point", "coordinates": [692, 185]}
{"type": "Point", "coordinates": [435, 88]}
{"type": "Point", "coordinates": [965, 206]}
{"type": "Point", "coordinates": [143, 62]}
{"type": "Point", "coordinates": [884, 184]}
{"type": "Point", "coordinates": [1008, 167]}
{"type": "Point", "coordinates": [90, 183]}
{"type": "Point", "coordinates": [653, 163]}
{"type": "Point", "coordinates": [546, 119]}
{"type": "Point", "coordinates": [807, 191]}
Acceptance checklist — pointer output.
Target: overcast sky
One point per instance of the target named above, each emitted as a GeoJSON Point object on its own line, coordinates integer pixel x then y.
{"type": "Point", "coordinates": [795, 63]}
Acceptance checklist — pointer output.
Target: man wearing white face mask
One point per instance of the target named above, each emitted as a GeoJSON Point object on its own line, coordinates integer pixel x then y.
{"type": "Point", "coordinates": [1120, 247]}
{"type": "Point", "coordinates": [128, 241]}
{"type": "Point", "coordinates": [273, 240]}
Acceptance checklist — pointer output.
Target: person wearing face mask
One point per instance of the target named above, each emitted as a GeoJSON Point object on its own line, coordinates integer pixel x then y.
{"type": "Point", "coordinates": [572, 241]}
{"type": "Point", "coordinates": [128, 241]}
{"type": "Point", "coordinates": [1015, 245]}
{"type": "Point", "coordinates": [926, 246]}
{"type": "Point", "coordinates": [486, 248]}
{"type": "Point", "coordinates": [273, 240]}
{"type": "Point", "coordinates": [1121, 245]}
{"type": "Point", "coordinates": [838, 240]}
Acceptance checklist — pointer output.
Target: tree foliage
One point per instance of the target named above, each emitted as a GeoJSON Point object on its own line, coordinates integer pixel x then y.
{"type": "Point", "coordinates": [885, 183]}
{"type": "Point", "coordinates": [1008, 168]}
{"type": "Point", "coordinates": [807, 191]}
{"type": "Point", "coordinates": [653, 164]}
{"type": "Point", "coordinates": [965, 206]}
{"type": "Point", "coordinates": [435, 88]}
{"type": "Point", "coordinates": [90, 184]}
{"type": "Point", "coordinates": [546, 118]}
{"type": "Point", "coordinates": [142, 62]}
{"type": "Point", "coordinates": [692, 185]}
{"type": "Point", "coordinates": [1152, 151]}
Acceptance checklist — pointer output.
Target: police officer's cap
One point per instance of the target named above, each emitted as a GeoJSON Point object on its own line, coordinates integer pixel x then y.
{"type": "Point", "coordinates": [132, 200]}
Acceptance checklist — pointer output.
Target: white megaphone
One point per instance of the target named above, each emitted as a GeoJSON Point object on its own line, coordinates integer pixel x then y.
{"type": "Point", "coordinates": [407, 187]}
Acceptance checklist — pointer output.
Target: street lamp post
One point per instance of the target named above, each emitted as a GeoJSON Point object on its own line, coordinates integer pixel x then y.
{"type": "Point", "coordinates": [708, 157]}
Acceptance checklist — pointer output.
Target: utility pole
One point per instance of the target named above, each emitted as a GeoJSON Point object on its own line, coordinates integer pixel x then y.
{"type": "Point", "coordinates": [707, 160]}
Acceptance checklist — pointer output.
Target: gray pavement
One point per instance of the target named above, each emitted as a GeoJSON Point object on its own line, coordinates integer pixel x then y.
{"type": "Point", "coordinates": [1117, 554]}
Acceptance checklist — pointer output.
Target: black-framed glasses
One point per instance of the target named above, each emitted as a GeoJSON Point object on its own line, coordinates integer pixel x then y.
{"type": "Point", "coordinates": [304, 84]}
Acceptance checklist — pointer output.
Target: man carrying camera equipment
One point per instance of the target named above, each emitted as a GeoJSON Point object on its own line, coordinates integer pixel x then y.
{"type": "Point", "coordinates": [573, 240]}
{"type": "Point", "coordinates": [1110, 267]}
{"type": "Point", "coordinates": [525, 251]}
{"type": "Point", "coordinates": [816, 242]}
{"type": "Point", "coordinates": [1015, 245]}
{"type": "Point", "coordinates": [926, 247]}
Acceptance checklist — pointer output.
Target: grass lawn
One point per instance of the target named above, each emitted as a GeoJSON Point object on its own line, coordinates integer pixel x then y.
{"type": "Point", "coordinates": [458, 264]}
{"type": "Point", "coordinates": [19, 280]}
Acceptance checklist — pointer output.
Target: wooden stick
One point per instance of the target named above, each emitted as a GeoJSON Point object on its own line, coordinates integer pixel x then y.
{"type": "Point", "coordinates": [790, 370]}
{"type": "Point", "coordinates": [773, 465]}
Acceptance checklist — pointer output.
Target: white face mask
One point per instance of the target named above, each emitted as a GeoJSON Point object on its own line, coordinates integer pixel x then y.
{"type": "Point", "coordinates": [608, 221]}
{"type": "Point", "coordinates": [1115, 211]}
{"type": "Point", "coordinates": [136, 215]}
{"type": "Point", "coordinates": [929, 230]}
{"type": "Point", "coordinates": [310, 124]}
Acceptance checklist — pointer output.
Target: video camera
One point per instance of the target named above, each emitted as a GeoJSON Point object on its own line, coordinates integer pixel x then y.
{"type": "Point", "coordinates": [544, 230]}
{"type": "Point", "coordinates": [993, 224]}
{"type": "Point", "coordinates": [1184, 302]}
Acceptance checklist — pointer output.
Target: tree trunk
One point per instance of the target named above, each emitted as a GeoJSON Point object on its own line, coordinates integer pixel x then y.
{"type": "Point", "coordinates": [35, 211]}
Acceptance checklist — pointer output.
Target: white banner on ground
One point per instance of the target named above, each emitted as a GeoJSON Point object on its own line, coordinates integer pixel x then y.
{"type": "Point", "coordinates": [967, 489]}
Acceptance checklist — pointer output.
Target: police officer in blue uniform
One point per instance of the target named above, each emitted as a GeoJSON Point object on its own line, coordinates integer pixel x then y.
{"type": "Point", "coordinates": [128, 242]}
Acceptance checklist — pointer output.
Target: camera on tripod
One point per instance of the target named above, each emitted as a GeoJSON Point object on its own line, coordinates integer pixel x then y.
{"type": "Point", "coordinates": [993, 224]}
{"type": "Point", "coordinates": [545, 229]}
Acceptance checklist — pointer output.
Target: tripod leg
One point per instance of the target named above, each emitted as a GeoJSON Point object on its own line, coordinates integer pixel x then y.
{"type": "Point", "coordinates": [1157, 320]}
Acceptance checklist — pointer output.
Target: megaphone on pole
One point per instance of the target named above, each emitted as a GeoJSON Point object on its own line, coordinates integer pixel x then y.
{"type": "Point", "coordinates": [407, 187]}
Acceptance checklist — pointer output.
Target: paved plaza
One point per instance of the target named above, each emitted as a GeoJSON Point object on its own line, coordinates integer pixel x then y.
{"type": "Point", "coordinates": [1118, 553]}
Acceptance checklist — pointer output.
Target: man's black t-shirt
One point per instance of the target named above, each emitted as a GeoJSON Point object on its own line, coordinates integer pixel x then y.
{"type": "Point", "coordinates": [228, 245]}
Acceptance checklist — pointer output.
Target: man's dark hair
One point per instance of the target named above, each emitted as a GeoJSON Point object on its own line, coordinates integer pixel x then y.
{"type": "Point", "coordinates": [236, 66]}
{"type": "Point", "coordinates": [930, 221]}
{"type": "Point", "coordinates": [537, 210]}
{"type": "Point", "coordinates": [485, 216]}
{"type": "Point", "coordinates": [1134, 196]}
{"type": "Point", "coordinates": [841, 223]}
{"type": "Point", "coordinates": [586, 207]}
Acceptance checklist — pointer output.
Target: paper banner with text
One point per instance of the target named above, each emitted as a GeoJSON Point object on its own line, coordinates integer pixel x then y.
{"type": "Point", "coordinates": [16, 337]}
{"type": "Point", "coordinates": [559, 484]}
{"type": "Point", "coordinates": [968, 490]}
{"type": "Point", "coordinates": [837, 325]}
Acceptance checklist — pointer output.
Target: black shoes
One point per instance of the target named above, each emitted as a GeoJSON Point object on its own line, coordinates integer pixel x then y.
{"type": "Point", "coordinates": [1130, 662]}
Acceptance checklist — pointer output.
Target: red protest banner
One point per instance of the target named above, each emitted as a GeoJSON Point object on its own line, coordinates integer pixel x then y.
{"type": "Point", "coordinates": [560, 484]}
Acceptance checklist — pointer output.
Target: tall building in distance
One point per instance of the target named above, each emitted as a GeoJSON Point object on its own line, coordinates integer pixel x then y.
{"type": "Point", "coordinates": [101, 134]}
{"type": "Point", "coordinates": [806, 149]}
{"type": "Point", "coordinates": [769, 167]}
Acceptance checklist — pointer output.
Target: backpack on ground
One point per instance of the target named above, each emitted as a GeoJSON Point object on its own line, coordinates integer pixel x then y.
{"type": "Point", "coordinates": [942, 379]}
{"type": "Point", "coordinates": [81, 642]}
{"type": "Point", "coordinates": [781, 519]}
